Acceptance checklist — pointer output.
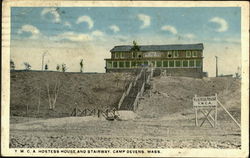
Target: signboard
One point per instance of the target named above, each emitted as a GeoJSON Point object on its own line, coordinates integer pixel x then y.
{"type": "Point", "coordinates": [152, 54]}
{"type": "Point", "coordinates": [205, 101]}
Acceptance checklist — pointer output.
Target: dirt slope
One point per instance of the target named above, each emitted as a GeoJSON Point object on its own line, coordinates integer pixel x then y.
{"type": "Point", "coordinates": [76, 89]}
{"type": "Point", "coordinates": [165, 120]}
{"type": "Point", "coordinates": [173, 96]}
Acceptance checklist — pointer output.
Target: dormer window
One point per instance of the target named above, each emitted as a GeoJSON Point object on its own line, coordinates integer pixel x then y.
{"type": "Point", "coordinates": [117, 55]}
{"type": "Point", "coordinates": [188, 53]}
{"type": "Point", "coordinates": [194, 53]}
{"type": "Point", "coordinates": [176, 54]}
{"type": "Point", "coordinates": [123, 55]}
{"type": "Point", "coordinates": [170, 54]}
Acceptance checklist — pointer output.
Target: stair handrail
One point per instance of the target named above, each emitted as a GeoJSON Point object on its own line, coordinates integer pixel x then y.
{"type": "Point", "coordinates": [142, 89]}
{"type": "Point", "coordinates": [148, 79]}
{"type": "Point", "coordinates": [129, 88]}
{"type": "Point", "coordinates": [137, 77]}
{"type": "Point", "coordinates": [121, 100]}
{"type": "Point", "coordinates": [139, 94]}
{"type": "Point", "coordinates": [151, 72]}
{"type": "Point", "coordinates": [136, 101]}
{"type": "Point", "coordinates": [126, 93]}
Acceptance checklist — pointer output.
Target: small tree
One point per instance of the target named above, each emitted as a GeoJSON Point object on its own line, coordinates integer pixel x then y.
{"type": "Point", "coordinates": [81, 65]}
{"type": "Point", "coordinates": [53, 88]}
{"type": "Point", "coordinates": [135, 47]}
{"type": "Point", "coordinates": [238, 73]}
{"type": "Point", "coordinates": [12, 65]}
{"type": "Point", "coordinates": [46, 67]}
{"type": "Point", "coordinates": [27, 66]}
{"type": "Point", "coordinates": [64, 68]}
{"type": "Point", "coordinates": [58, 67]}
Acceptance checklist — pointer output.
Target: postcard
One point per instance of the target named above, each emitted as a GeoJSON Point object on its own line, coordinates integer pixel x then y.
{"type": "Point", "coordinates": [125, 78]}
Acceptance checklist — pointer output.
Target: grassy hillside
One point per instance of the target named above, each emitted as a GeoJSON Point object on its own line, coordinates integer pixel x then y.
{"type": "Point", "coordinates": [75, 89]}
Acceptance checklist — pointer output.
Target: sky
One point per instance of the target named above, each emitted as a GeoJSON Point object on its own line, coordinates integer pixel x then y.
{"type": "Point", "coordinates": [69, 34]}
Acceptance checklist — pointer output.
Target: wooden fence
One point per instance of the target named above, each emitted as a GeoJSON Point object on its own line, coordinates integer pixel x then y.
{"type": "Point", "coordinates": [107, 113]}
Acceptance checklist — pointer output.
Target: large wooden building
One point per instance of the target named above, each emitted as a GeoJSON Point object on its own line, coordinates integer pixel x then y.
{"type": "Point", "coordinates": [175, 60]}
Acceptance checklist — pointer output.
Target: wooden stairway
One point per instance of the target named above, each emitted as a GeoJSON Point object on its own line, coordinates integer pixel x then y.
{"type": "Point", "coordinates": [130, 97]}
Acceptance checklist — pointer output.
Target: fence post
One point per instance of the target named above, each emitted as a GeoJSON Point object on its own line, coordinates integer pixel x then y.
{"type": "Point", "coordinates": [85, 112]}
{"type": "Point", "coordinates": [196, 119]}
{"type": "Point", "coordinates": [215, 113]}
{"type": "Point", "coordinates": [98, 113]}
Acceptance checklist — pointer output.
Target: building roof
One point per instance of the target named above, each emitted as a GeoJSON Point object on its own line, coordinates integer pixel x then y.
{"type": "Point", "coordinates": [127, 48]}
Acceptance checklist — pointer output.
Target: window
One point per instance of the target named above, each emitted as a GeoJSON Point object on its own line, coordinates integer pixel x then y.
{"type": "Point", "coordinates": [194, 53]}
{"type": "Point", "coordinates": [188, 53]}
{"type": "Point", "coordinates": [127, 64]}
{"type": "Point", "coordinates": [158, 64]}
{"type": "Point", "coordinates": [177, 63]}
{"type": "Point", "coordinates": [133, 64]}
{"type": "Point", "coordinates": [134, 54]}
{"type": "Point", "coordinates": [122, 55]}
{"type": "Point", "coordinates": [176, 54]}
{"type": "Point", "coordinates": [165, 63]}
{"type": "Point", "coordinates": [117, 55]}
{"type": "Point", "coordinates": [171, 63]}
{"type": "Point", "coordinates": [191, 63]}
{"type": "Point", "coordinates": [121, 64]}
{"type": "Point", "coordinates": [113, 55]}
{"type": "Point", "coordinates": [170, 54]}
{"type": "Point", "coordinates": [185, 63]}
{"type": "Point", "coordinates": [115, 64]}
{"type": "Point", "coordinates": [109, 64]}
{"type": "Point", "coordinates": [198, 63]}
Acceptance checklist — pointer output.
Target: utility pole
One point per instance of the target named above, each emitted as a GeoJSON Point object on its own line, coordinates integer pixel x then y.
{"type": "Point", "coordinates": [43, 58]}
{"type": "Point", "coordinates": [216, 66]}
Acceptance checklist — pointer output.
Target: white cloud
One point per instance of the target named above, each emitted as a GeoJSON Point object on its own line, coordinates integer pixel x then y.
{"type": "Point", "coordinates": [114, 28]}
{"type": "Point", "coordinates": [72, 36]}
{"type": "Point", "coordinates": [29, 28]}
{"type": "Point", "coordinates": [145, 19]}
{"type": "Point", "coordinates": [79, 37]}
{"type": "Point", "coordinates": [189, 35]}
{"type": "Point", "coordinates": [97, 33]}
{"type": "Point", "coordinates": [68, 24]}
{"type": "Point", "coordinates": [169, 28]}
{"type": "Point", "coordinates": [86, 19]}
{"type": "Point", "coordinates": [52, 11]}
{"type": "Point", "coordinates": [222, 22]}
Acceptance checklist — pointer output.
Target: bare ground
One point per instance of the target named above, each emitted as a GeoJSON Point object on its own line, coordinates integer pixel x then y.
{"type": "Point", "coordinates": [164, 120]}
{"type": "Point", "coordinates": [137, 133]}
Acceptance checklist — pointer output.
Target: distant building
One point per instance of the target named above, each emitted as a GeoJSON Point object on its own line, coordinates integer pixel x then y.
{"type": "Point", "coordinates": [174, 60]}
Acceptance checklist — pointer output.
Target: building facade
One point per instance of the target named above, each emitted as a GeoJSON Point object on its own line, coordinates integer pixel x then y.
{"type": "Point", "coordinates": [175, 60]}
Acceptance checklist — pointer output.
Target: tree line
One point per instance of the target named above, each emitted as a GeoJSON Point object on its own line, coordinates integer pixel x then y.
{"type": "Point", "coordinates": [59, 67]}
